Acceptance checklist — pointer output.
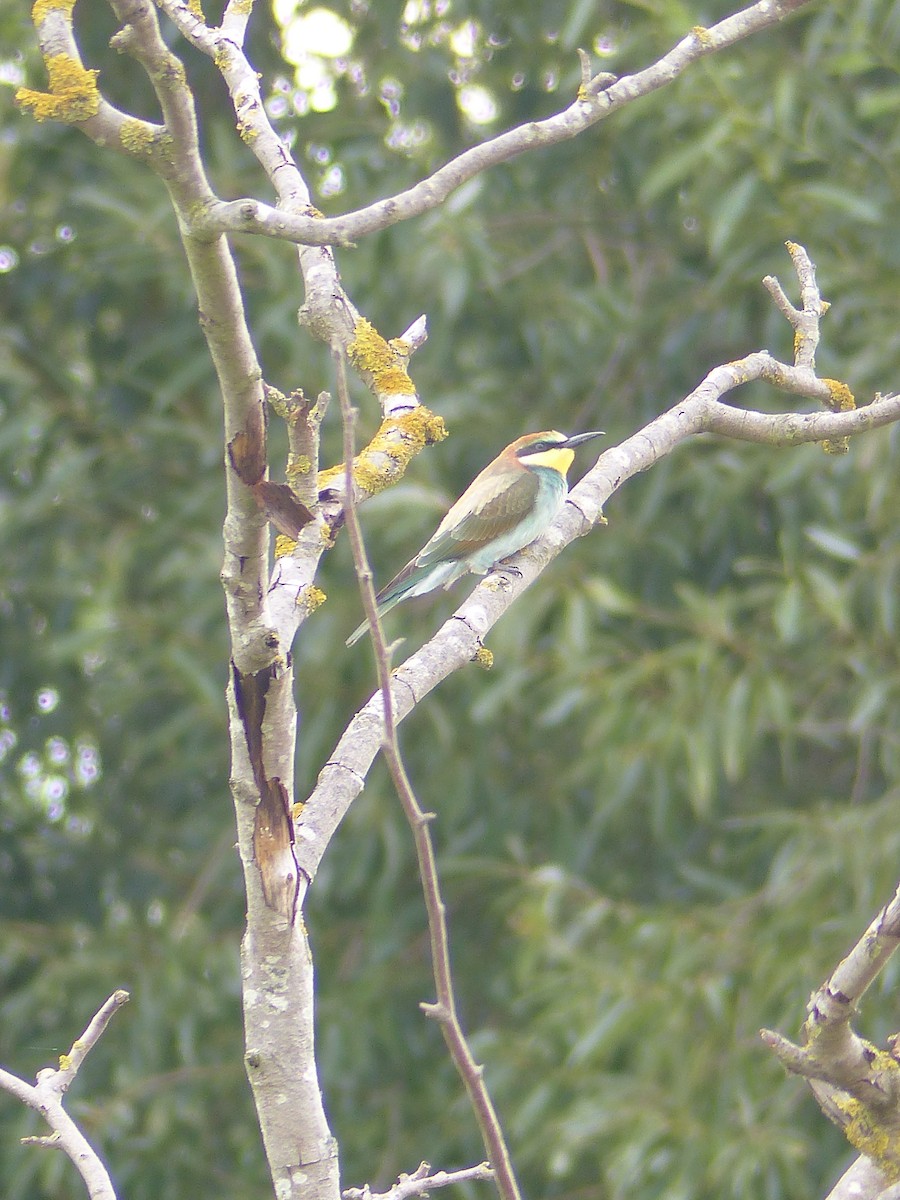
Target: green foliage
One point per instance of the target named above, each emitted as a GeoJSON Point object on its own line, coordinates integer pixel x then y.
{"type": "Point", "coordinates": [667, 810]}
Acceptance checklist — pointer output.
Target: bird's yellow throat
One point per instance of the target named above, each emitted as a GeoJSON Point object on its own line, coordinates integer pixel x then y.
{"type": "Point", "coordinates": [559, 459]}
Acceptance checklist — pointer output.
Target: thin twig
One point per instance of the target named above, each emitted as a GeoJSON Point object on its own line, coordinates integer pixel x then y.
{"type": "Point", "coordinates": [421, 1181]}
{"type": "Point", "coordinates": [81, 1047]}
{"type": "Point", "coordinates": [444, 1010]}
{"type": "Point", "coordinates": [805, 320]}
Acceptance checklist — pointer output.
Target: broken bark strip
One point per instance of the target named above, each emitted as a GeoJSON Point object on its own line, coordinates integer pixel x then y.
{"type": "Point", "coordinates": [273, 829]}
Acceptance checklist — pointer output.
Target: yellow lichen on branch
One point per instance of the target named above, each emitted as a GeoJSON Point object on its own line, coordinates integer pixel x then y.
{"type": "Point", "coordinates": [842, 400]}
{"type": "Point", "coordinates": [73, 94]}
{"type": "Point", "coordinates": [139, 138]}
{"type": "Point", "coordinates": [384, 361]}
{"type": "Point", "coordinates": [298, 466]}
{"type": "Point", "coordinates": [284, 545]}
{"type": "Point", "coordinates": [870, 1137]}
{"type": "Point", "coordinates": [483, 658]}
{"type": "Point", "coordinates": [311, 598]}
{"type": "Point", "coordinates": [41, 9]}
{"type": "Point", "coordinates": [387, 456]}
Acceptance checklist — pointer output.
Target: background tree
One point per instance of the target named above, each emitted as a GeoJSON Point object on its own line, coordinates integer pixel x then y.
{"type": "Point", "coordinates": [679, 782]}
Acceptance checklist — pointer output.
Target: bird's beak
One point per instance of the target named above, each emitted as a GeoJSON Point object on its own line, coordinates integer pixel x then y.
{"type": "Point", "coordinates": [578, 438]}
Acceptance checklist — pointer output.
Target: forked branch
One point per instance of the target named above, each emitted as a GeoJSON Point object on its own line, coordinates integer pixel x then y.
{"type": "Point", "coordinates": [45, 1096]}
{"type": "Point", "coordinates": [856, 1084]}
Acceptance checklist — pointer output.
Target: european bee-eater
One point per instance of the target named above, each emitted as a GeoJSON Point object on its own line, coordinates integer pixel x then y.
{"type": "Point", "coordinates": [502, 510]}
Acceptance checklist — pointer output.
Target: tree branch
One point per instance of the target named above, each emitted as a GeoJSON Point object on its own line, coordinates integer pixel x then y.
{"type": "Point", "coordinates": [46, 1097]}
{"type": "Point", "coordinates": [262, 618]}
{"type": "Point", "coordinates": [327, 309]}
{"type": "Point", "coordinates": [856, 1085]}
{"type": "Point", "coordinates": [594, 103]}
{"type": "Point", "coordinates": [330, 315]}
{"type": "Point", "coordinates": [445, 1010]}
{"type": "Point", "coordinates": [273, 609]}
{"type": "Point", "coordinates": [862, 1180]}
{"type": "Point", "coordinates": [421, 1182]}
{"type": "Point", "coordinates": [457, 642]}
{"type": "Point", "coordinates": [276, 962]}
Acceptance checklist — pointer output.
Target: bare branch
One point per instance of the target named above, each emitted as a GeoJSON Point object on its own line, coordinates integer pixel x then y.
{"type": "Point", "coordinates": [585, 63]}
{"type": "Point", "coordinates": [224, 46]}
{"type": "Point", "coordinates": [594, 103]}
{"type": "Point", "coordinates": [862, 1180]}
{"type": "Point", "coordinates": [856, 973]}
{"type": "Point", "coordinates": [415, 336]}
{"type": "Point", "coordinates": [833, 1052]}
{"type": "Point", "coordinates": [857, 1086]}
{"type": "Point", "coordinates": [171, 150]}
{"type": "Point", "coordinates": [327, 309]}
{"type": "Point", "coordinates": [46, 1096]}
{"type": "Point", "coordinates": [262, 620]}
{"type": "Point", "coordinates": [70, 1063]}
{"type": "Point", "coordinates": [235, 21]}
{"type": "Point", "coordinates": [421, 1182]}
{"type": "Point", "coordinates": [444, 1011]}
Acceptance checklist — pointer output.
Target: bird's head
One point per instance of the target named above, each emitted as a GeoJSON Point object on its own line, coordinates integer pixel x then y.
{"type": "Point", "coordinates": [548, 449]}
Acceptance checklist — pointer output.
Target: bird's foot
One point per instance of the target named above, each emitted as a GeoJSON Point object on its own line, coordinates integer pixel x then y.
{"type": "Point", "coordinates": [503, 574]}
{"type": "Point", "coordinates": [507, 567]}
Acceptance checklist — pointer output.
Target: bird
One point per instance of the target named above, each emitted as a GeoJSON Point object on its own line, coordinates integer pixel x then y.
{"type": "Point", "coordinates": [509, 504]}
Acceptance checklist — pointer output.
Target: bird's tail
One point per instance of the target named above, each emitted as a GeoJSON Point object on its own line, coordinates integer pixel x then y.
{"type": "Point", "coordinates": [413, 580]}
{"type": "Point", "coordinates": [383, 607]}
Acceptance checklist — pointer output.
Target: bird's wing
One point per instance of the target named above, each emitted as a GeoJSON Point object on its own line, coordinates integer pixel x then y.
{"type": "Point", "coordinates": [499, 511]}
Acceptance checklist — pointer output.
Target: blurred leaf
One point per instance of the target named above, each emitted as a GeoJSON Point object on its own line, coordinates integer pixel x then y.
{"type": "Point", "coordinates": [730, 213]}
{"type": "Point", "coordinates": [833, 543]}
